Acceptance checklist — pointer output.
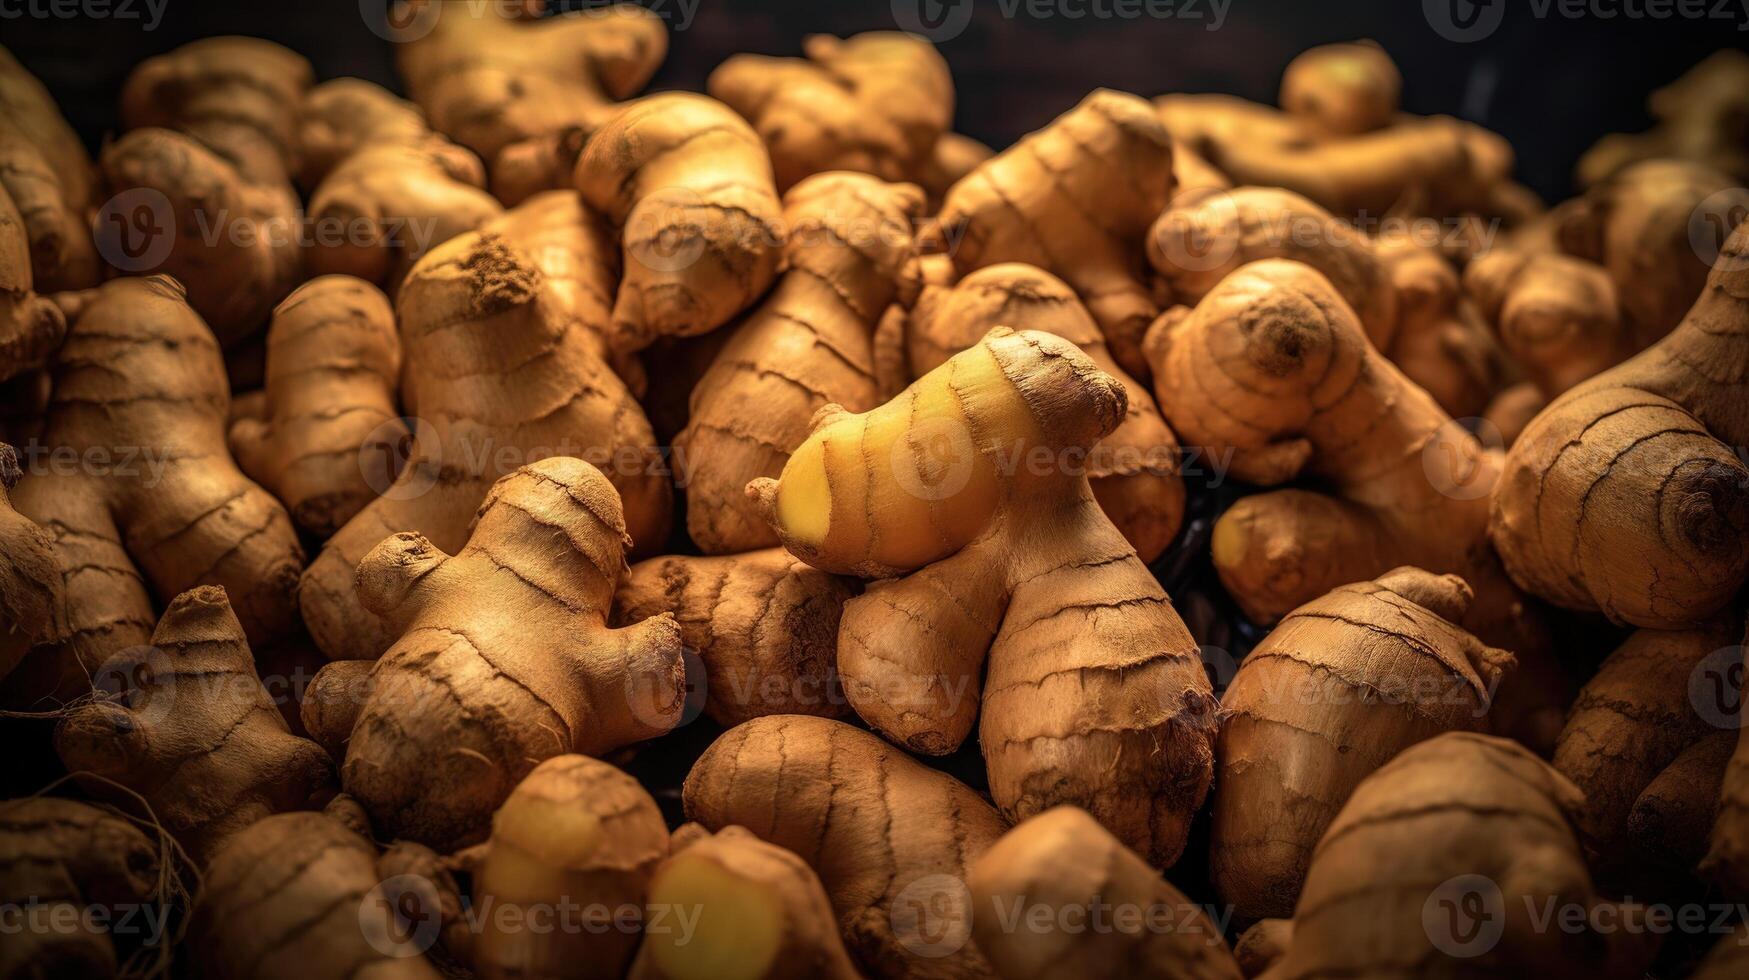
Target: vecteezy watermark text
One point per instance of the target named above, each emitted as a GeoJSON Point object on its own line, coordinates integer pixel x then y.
{"type": "Point", "coordinates": [944, 20]}
{"type": "Point", "coordinates": [150, 13]}
{"type": "Point", "coordinates": [1464, 21]}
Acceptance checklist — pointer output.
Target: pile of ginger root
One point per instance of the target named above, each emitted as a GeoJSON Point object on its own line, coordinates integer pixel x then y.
{"type": "Point", "coordinates": [764, 533]}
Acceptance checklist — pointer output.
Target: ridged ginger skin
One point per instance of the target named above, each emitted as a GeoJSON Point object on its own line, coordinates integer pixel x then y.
{"type": "Point", "coordinates": [324, 434]}
{"type": "Point", "coordinates": [1556, 314]}
{"type": "Point", "coordinates": [296, 895]}
{"type": "Point", "coordinates": [194, 732]}
{"type": "Point", "coordinates": [45, 170]}
{"type": "Point", "coordinates": [31, 325]}
{"type": "Point", "coordinates": [212, 126]}
{"type": "Point", "coordinates": [871, 821]}
{"type": "Point", "coordinates": [384, 188]}
{"type": "Point", "coordinates": [32, 606]}
{"type": "Point", "coordinates": [977, 514]}
{"type": "Point", "coordinates": [808, 344]}
{"type": "Point", "coordinates": [574, 830]}
{"type": "Point", "coordinates": [1699, 119]}
{"type": "Point", "coordinates": [688, 185]}
{"type": "Point", "coordinates": [503, 659]}
{"type": "Point", "coordinates": [1064, 861]}
{"type": "Point", "coordinates": [875, 103]}
{"type": "Point", "coordinates": [1727, 858]}
{"type": "Point", "coordinates": [1379, 901]}
{"type": "Point", "coordinates": [1443, 342]}
{"type": "Point", "coordinates": [514, 87]}
{"type": "Point", "coordinates": [140, 369]}
{"type": "Point", "coordinates": [763, 914]}
{"type": "Point", "coordinates": [503, 360]}
{"type": "Point", "coordinates": [1624, 496]}
{"type": "Point", "coordinates": [1340, 687]}
{"type": "Point", "coordinates": [1134, 470]}
{"type": "Point", "coordinates": [60, 860]}
{"type": "Point", "coordinates": [1075, 199]}
{"type": "Point", "coordinates": [764, 624]}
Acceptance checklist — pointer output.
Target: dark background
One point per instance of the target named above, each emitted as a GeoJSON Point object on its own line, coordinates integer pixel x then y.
{"type": "Point", "coordinates": [1550, 85]}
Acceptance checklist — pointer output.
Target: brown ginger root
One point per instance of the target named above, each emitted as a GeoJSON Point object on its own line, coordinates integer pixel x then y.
{"type": "Point", "coordinates": [1510, 411]}
{"type": "Point", "coordinates": [762, 914]}
{"type": "Point", "coordinates": [1667, 828]}
{"type": "Point", "coordinates": [31, 326]}
{"type": "Point", "coordinates": [1338, 90]}
{"type": "Point", "coordinates": [1729, 957]}
{"type": "Point", "coordinates": [504, 659]}
{"type": "Point", "coordinates": [1134, 470]}
{"type": "Point", "coordinates": [384, 188]}
{"type": "Point", "coordinates": [764, 625]}
{"type": "Point", "coordinates": [1340, 687]}
{"type": "Point", "coordinates": [326, 433]}
{"type": "Point", "coordinates": [688, 185]}
{"type": "Point", "coordinates": [1556, 315]}
{"type": "Point", "coordinates": [1625, 496]}
{"type": "Point", "coordinates": [1727, 857]}
{"type": "Point", "coordinates": [978, 515]}
{"type": "Point", "coordinates": [577, 831]}
{"type": "Point", "coordinates": [192, 732]}
{"type": "Point", "coordinates": [49, 176]}
{"type": "Point", "coordinates": [31, 605]}
{"type": "Point", "coordinates": [1703, 117]}
{"type": "Point", "coordinates": [806, 345]}
{"type": "Point", "coordinates": [889, 837]}
{"type": "Point", "coordinates": [503, 359]}
{"type": "Point", "coordinates": [954, 156]}
{"type": "Point", "coordinates": [876, 103]}
{"type": "Point", "coordinates": [1062, 860]}
{"type": "Point", "coordinates": [209, 152]}
{"type": "Point", "coordinates": [1074, 199]}
{"type": "Point", "coordinates": [300, 895]}
{"type": "Point", "coordinates": [516, 88]}
{"type": "Point", "coordinates": [1442, 342]}
{"type": "Point", "coordinates": [140, 395]}
{"type": "Point", "coordinates": [1379, 901]}
{"type": "Point", "coordinates": [64, 862]}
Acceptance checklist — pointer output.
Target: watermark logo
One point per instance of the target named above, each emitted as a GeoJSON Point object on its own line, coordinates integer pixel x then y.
{"type": "Point", "coordinates": [937, 20]}
{"type": "Point", "coordinates": [651, 699]}
{"type": "Point", "coordinates": [400, 917]}
{"type": "Point", "coordinates": [135, 230]}
{"type": "Point", "coordinates": [931, 916]}
{"type": "Point", "coordinates": [665, 232]}
{"type": "Point", "coordinates": [1715, 688]}
{"type": "Point", "coordinates": [1464, 21]}
{"type": "Point", "coordinates": [935, 460]}
{"type": "Point", "coordinates": [1201, 237]}
{"type": "Point", "coordinates": [1711, 225]}
{"type": "Point", "coordinates": [400, 21]}
{"type": "Point", "coordinates": [1453, 458]}
{"type": "Point", "coordinates": [1465, 916]}
{"type": "Point", "coordinates": [1220, 667]}
{"type": "Point", "coordinates": [386, 458]}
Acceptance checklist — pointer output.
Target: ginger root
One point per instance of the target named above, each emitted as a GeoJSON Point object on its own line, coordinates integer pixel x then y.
{"type": "Point", "coordinates": [504, 659]}
{"type": "Point", "coordinates": [45, 170]}
{"type": "Point", "coordinates": [877, 103]}
{"type": "Point", "coordinates": [889, 837]}
{"type": "Point", "coordinates": [1625, 495]}
{"type": "Point", "coordinates": [1063, 861]}
{"type": "Point", "coordinates": [504, 364]}
{"type": "Point", "coordinates": [977, 513]}
{"type": "Point", "coordinates": [192, 731]}
{"type": "Point", "coordinates": [516, 88]}
{"type": "Point", "coordinates": [212, 127]}
{"type": "Point", "coordinates": [31, 326]}
{"type": "Point", "coordinates": [1134, 470]}
{"type": "Point", "coordinates": [1727, 857]}
{"type": "Point", "coordinates": [324, 435]}
{"type": "Point", "coordinates": [806, 345]}
{"type": "Point", "coordinates": [157, 506]}
{"type": "Point", "coordinates": [763, 624]}
{"type": "Point", "coordinates": [575, 831]}
{"type": "Point", "coordinates": [384, 188]}
{"type": "Point", "coordinates": [1379, 901]}
{"type": "Point", "coordinates": [1345, 683]}
{"type": "Point", "coordinates": [1703, 117]}
{"type": "Point", "coordinates": [32, 607]}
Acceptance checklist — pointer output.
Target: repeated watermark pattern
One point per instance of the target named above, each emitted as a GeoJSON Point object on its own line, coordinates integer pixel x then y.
{"type": "Point", "coordinates": [149, 13]}
{"type": "Point", "coordinates": [1466, 917]}
{"type": "Point", "coordinates": [944, 20]}
{"type": "Point", "coordinates": [1465, 21]}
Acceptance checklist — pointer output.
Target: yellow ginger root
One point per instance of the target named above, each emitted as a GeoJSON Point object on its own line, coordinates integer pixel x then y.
{"type": "Point", "coordinates": [1134, 470]}
{"type": "Point", "coordinates": [31, 326]}
{"type": "Point", "coordinates": [1074, 199]}
{"type": "Point", "coordinates": [1510, 412]}
{"type": "Point", "coordinates": [156, 505]}
{"type": "Point", "coordinates": [384, 188]}
{"type": "Point", "coordinates": [806, 345]}
{"type": "Point", "coordinates": [504, 363]}
{"type": "Point", "coordinates": [1064, 862]}
{"type": "Point", "coordinates": [762, 914]}
{"type": "Point", "coordinates": [1625, 496]}
{"type": "Point", "coordinates": [968, 495]}
{"type": "Point", "coordinates": [1703, 117]}
{"type": "Point", "coordinates": [503, 659]}
{"type": "Point", "coordinates": [49, 176]}
{"type": "Point", "coordinates": [1557, 315]}
{"type": "Point", "coordinates": [208, 159]}
{"type": "Point", "coordinates": [1345, 683]}
{"type": "Point", "coordinates": [1439, 865]}
{"type": "Point", "coordinates": [890, 838]}
{"type": "Point", "coordinates": [515, 88]}
{"type": "Point", "coordinates": [876, 103]}
{"type": "Point", "coordinates": [193, 732]}
{"type": "Point", "coordinates": [688, 185]}
{"type": "Point", "coordinates": [953, 157]}
{"type": "Point", "coordinates": [763, 624]}
{"type": "Point", "coordinates": [1727, 858]}
{"type": "Point", "coordinates": [62, 864]}
{"type": "Point", "coordinates": [325, 434]}
{"type": "Point", "coordinates": [575, 831]}
{"type": "Point", "coordinates": [1338, 90]}
{"type": "Point", "coordinates": [32, 609]}
{"type": "Point", "coordinates": [1442, 342]}
{"type": "Point", "coordinates": [302, 895]}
